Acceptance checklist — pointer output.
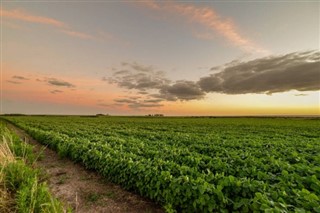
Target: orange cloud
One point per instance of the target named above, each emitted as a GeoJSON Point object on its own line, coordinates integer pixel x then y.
{"type": "Point", "coordinates": [22, 15]}
{"type": "Point", "coordinates": [208, 18]}
{"type": "Point", "coordinates": [78, 34]}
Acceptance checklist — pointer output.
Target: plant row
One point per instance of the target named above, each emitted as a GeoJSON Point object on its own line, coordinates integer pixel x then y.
{"type": "Point", "coordinates": [189, 171]}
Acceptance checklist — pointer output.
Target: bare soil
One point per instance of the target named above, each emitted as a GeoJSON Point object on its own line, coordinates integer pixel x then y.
{"type": "Point", "coordinates": [83, 190]}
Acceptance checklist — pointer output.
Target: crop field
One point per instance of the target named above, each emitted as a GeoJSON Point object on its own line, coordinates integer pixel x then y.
{"type": "Point", "coordinates": [195, 164]}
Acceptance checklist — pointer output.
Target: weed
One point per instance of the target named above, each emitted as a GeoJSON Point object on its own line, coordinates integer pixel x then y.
{"type": "Point", "coordinates": [62, 179]}
{"type": "Point", "coordinates": [110, 194]}
{"type": "Point", "coordinates": [93, 197]}
{"type": "Point", "coordinates": [20, 188]}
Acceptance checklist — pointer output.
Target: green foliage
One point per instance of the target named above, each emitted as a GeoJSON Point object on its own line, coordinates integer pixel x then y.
{"type": "Point", "coordinates": [19, 148]}
{"type": "Point", "coordinates": [92, 197]}
{"type": "Point", "coordinates": [18, 174]}
{"type": "Point", "coordinates": [196, 164]}
{"type": "Point", "coordinates": [35, 197]}
{"type": "Point", "coordinates": [22, 181]}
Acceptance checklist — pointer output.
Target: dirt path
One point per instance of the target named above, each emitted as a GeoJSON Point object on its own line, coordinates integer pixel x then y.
{"type": "Point", "coordinates": [85, 191]}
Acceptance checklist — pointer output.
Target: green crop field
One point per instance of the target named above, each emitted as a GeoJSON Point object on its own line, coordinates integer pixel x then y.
{"type": "Point", "coordinates": [196, 164]}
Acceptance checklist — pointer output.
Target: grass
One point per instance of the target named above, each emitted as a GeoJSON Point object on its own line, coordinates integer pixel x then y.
{"type": "Point", "coordinates": [20, 187]}
{"type": "Point", "coordinates": [93, 197]}
{"type": "Point", "coordinates": [62, 179]}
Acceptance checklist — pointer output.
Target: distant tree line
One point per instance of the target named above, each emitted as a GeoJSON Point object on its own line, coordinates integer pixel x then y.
{"type": "Point", "coordinates": [155, 115]}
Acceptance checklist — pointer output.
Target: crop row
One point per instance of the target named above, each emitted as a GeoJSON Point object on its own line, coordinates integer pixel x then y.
{"type": "Point", "coordinates": [191, 171]}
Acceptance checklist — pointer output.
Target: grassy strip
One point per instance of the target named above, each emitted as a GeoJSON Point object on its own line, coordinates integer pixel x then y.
{"type": "Point", "coordinates": [20, 187]}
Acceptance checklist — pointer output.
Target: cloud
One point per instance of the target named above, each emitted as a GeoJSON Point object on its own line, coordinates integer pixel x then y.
{"type": "Point", "coordinates": [17, 79]}
{"type": "Point", "coordinates": [124, 100]}
{"type": "Point", "coordinates": [295, 71]}
{"type": "Point", "coordinates": [22, 15]}
{"type": "Point", "coordinates": [104, 79]}
{"type": "Point", "coordinates": [144, 105]}
{"type": "Point", "coordinates": [55, 91]}
{"type": "Point", "coordinates": [143, 92]}
{"type": "Point", "coordinates": [181, 90]}
{"type": "Point", "coordinates": [153, 85]}
{"type": "Point", "coordinates": [139, 77]}
{"type": "Point", "coordinates": [208, 18]}
{"type": "Point", "coordinates": [59, 83]}
{"type": "Point", "coordinates": [122, 72]}
{"type": "Point", "coordinates": [14, 82]}
{"type": "Point", "coordinates": [78, 34]}
{"type": "Point", "coordinates": [20, 77]}
{"type": "Point", "coordinates": [273, 74]}
{"type": "Point", "coordinates": [139, 102]}
{"type": "Point", "coordinates": [153, 100]}
{"type": "Point", "coordinates": [139, 67]}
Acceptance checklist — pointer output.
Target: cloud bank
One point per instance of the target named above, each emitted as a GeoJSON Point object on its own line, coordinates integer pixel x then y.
{"type": "Point", "coordinates": [273, 74]}
{"type": "Point", "coordinates": [153, 84]}
{"type": "Point", "coordinates": [295, 71]}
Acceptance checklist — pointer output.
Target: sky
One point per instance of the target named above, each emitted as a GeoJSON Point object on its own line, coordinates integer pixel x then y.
{"type": "Point", "coordinates": [176, 58]}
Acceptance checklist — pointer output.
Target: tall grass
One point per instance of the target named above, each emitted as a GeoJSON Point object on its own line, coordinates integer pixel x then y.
{"type": "Point", "coordinates": [6, 157]}
{"type": "Point", "coordinates": [20, 187]}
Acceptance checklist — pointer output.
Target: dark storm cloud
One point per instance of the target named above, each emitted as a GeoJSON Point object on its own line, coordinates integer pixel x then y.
{"type": "Point", "coordinates": [20, 77]}
{"type": "Point", "coordinates": [295, 71]}
{"type": "Point", "coordinates": [59, 83]}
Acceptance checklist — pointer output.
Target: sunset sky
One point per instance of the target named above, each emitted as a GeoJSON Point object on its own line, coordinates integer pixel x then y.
{"type": "Point", "coordinates": [170, 57]}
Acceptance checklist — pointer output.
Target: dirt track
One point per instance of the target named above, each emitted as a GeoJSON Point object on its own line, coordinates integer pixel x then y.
{"type": "Point", "coordinates": [82, 190]}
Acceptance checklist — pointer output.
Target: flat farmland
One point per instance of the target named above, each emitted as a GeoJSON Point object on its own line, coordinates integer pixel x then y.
{"type": "Point", "coordinates": [195, 164]}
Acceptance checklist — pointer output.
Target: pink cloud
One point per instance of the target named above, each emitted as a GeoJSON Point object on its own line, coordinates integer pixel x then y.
{"type": "Point", "coordinates": [77, 34]}
{"type": "Point", "coordinates": [24, 16]}
{"type": "Point", "coordinates": [208, 18]}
